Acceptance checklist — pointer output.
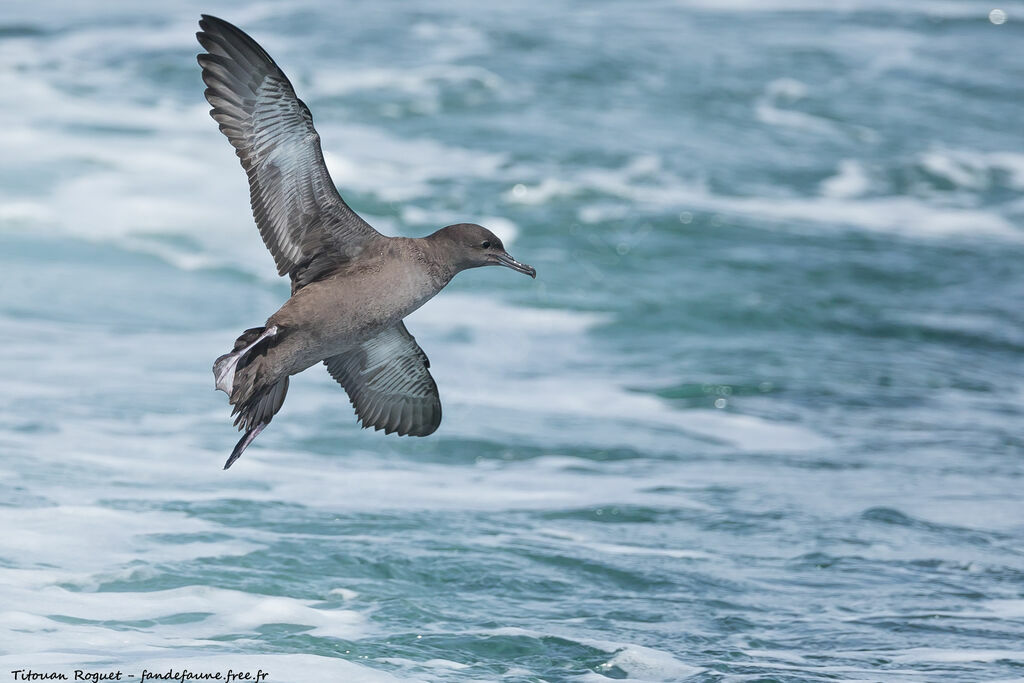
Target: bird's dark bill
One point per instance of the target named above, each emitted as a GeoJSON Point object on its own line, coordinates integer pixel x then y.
{"type": "Point", "coordinates": [504, 259]}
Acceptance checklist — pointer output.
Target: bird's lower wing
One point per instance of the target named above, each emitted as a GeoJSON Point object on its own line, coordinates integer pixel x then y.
{"type": "Point", "coordinates": [389, 383]}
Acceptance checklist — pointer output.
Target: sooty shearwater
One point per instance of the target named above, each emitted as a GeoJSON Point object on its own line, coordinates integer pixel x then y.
{"type": "Point", "coordinates": [351, 285]}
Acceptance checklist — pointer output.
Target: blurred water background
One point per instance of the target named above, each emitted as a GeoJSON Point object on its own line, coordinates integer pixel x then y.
{"type": "Point", "coordinates": [759, 417]}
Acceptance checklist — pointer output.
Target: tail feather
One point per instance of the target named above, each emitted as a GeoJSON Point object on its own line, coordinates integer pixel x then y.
{"type": "Point", "coordinates": [255, 397]}
{"type": "Point", "coordinates": [255, 414]}
{"type": "Point", "coordinates": [243, 443]}
{"type": "Point", "coordinates": [262, 406]}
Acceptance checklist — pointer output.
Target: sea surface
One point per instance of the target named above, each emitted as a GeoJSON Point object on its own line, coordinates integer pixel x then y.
{"type": "Point", "coordinates": [760, 417]}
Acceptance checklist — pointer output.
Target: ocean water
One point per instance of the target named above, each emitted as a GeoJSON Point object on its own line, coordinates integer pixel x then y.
{"type": "Point", "coordinates": [759, 418]}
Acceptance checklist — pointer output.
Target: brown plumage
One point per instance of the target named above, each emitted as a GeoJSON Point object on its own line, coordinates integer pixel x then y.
{"type": "Point", "coordinates": [351, 286]}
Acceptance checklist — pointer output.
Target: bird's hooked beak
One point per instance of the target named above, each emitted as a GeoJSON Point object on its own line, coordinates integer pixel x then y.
{"type": "Point", "coordinates": [505, 259]}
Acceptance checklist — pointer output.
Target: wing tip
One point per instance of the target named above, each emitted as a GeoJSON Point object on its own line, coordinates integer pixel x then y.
{"type": "Point", "coordinates": [387, 427]}
{"type": "Point", "coordinates": [207, 20]}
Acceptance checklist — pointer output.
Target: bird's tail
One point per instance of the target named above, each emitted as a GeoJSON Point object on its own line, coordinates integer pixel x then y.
{"type": "Point", "coordinates": [255, 397]}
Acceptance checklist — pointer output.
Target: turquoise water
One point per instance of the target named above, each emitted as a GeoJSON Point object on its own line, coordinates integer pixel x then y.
{"type": "Point", "coordinates": [759, 418]}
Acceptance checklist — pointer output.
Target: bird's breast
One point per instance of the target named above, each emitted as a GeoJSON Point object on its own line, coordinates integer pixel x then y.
{"type": "Point", "coordinates": [353, 306]}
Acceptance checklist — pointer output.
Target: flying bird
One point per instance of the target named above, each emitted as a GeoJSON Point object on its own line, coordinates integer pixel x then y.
{"type": "Point", "coordinates": [351, 287]}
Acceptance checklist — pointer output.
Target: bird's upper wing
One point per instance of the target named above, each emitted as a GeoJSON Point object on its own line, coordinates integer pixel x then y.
{"type": "Point", "coordinates": [303, 220]}
{"type": "Point", "coordinates": [389, 384]}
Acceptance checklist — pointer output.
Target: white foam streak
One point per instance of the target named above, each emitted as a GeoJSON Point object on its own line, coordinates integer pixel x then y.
{"type": "Point", "coordinates": [850, 180]}
{"type": "Point", "coordinates": [899, 215]}
{"type": "Point", "coordinates": [935, 655]}
{"type": "Point", "coordinates": [104, 539]}
{"type": "Point", "coordinates": [424, 81]}
{"type": "Point", "coordinates": [938, 8]}
{"type": "Point", "coordinates": [506, 230]}
{"type": "Point", "coordinates": [769, 113]}
{"type": "Point", "coordinates": [539, 387]}
{"type": "Point", "coordinates": [647, 664]}
{"type": "Point", "coordinates": [397, 169]}
{"type": "Point", "coordinates": [232, 611]}
{"type": "Point", "coordinates": [974, 170]}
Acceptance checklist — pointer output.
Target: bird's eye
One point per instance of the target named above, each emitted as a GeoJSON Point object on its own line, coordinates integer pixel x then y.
{"type": "Point", "coordinates": [486, 244]}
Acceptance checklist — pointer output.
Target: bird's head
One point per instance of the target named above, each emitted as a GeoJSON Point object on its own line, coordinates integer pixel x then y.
{"type": "Point", "coordinates": [471, 246]}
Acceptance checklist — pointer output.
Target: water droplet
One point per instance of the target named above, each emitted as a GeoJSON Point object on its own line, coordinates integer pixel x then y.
{"type": "Point", "coordinates": [997, 17]}
{"type": "Point", "coordinates": [721, 403]}
{"type": "Point", "coordinates": [765, 386]}
{"type": "Point", "coordinates": [686, 218]}
{"type": "Point", "coordinates": [519, 190]}
{"type": "Point", "coordinates": [622, 249]}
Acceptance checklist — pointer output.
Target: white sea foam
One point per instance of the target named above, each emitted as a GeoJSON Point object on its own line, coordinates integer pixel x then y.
{"type": "Point", "coordinates": [445, 664]}
{"type": "Point", "coordinates": [1006, 609]}
{"type": "Point", "coordinates": [596, 213]}
{"type": "Point", "coordinates": [939, 8]}
{"type": "Point", "coordinates": [17, 212]}
{"type": "Point", "coordinates": [647, 664]}
{"type": "Point", "coordinates": [540, 193]}
{"type": "Point", "coordinates": [675, 553]}
{"type": "Point", "coordinates": [902, 215]}
{"type": "Point", "coordinates": [93, 544]}
{"type": "Point", "coordinates": [540, 341]}
{"type": "Point", "coordinates": [450, 41]}
{"type": "Point", "coordinates": [104, 538]}
{"type": "Point", "coordinates": [506, 230]}
{"type": "Point", "coordinates": [922, 655]}
{"type": "Point", "coordinates": [787, 91]}
{"type": "Point", "coordinates": [560, 538]}
{"type": "Point", "coordinates": [425, 81]}
{"type": "Point", "coordinates": [639, 662]}
{"type": "Point", "coordinates": [230, 611]}
{"type": "Point", "coordinates": [539, 403]}
{"type": "Point", "coordinates": [344, 593]}
{"type": "Point", "coordinates": [974, 170]}
{"type": "Point", "coordinates": [989, 325]}
{"type": "Point", "coordinates": [898, 215]}
{"type": "Point", "coordinates": [773, 115]}
{"type": "Point", "coordinates": [850, 180]}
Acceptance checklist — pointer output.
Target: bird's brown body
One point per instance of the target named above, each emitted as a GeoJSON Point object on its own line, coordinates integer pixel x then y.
{"type": "Point", "coordinates": [351, 286]}
{"type": "Point", "coordinates": [334, 315]}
